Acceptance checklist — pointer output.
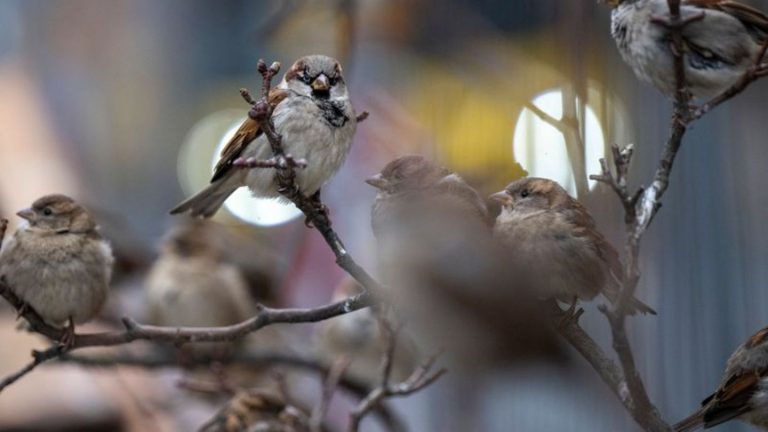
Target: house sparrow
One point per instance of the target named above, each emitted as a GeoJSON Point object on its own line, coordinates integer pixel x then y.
{"type": "Point", "coordinates": [414, 181]}
{"type": "Point", "coordinates": [358, 336]}
{"type": "Point", "coordinates": [192, 285]}
{"type": "Point", "coordinates": [58, 263]}
{"type": "Point", "coordinates": [719, 48]}
{"type": "Point", "coordinates": [543, 226]}
{"type": "Point", "coordinates": [742, 392]}
{"type": "Point", "coordinates": [312, 113]}
{"type": "Point", "coordinates": [255, 410]}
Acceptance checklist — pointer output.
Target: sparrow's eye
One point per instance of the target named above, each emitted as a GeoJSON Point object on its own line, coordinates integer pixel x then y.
{"type": "Point", "coordinates": [524, 193]}
{"type": "Point", "coordinates": [333, 81]}
{"type": "Point", "coordinates": [47, 211]}
{"type": "Point", "coordinates": [305, 78]}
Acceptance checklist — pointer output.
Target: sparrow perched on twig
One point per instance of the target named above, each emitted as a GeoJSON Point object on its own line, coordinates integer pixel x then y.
{"type": "Point", "coordinates": [414, 181]}
{"type": "Point", "coordinates": [722, 41]}
{"type": "Point", "coordinates": [58, 263]}
{"type": "Point", "coordinates": [191, 283]}
{"type": "Point", "coordinates": [312, 113]}
{"type": "Point", "coordinates": [544, 227]}
{"type": "Point", "coordinates": [743, 391]}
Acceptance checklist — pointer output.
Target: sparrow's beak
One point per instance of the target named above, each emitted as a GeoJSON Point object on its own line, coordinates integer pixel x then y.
{"type": "Point", "coordinates": [27, 214]}
{"type": "Point", "coordinates": [377, 181]}
{"type": "Point", "coordinates": [321, 84]}
{"type": "Point", "coordinates": [501, 197]}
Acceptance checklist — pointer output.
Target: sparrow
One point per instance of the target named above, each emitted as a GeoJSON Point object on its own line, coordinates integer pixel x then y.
{"type": "Point", "coordinates": [358, 336]}
{"type": "Point", "coordinates": [411, 181]}
{"type": "Point", "coordinates": [192, 284]}
{"type": "Point", "coordinates": [742, 391]}
{"type": "Point", "coordinates": [719, 47]}
{"type": "Point", "coordinates": [543, 226]}
{"type": "Point", "coordinates": [256, 410]}
{"type": "Point", "coordinates": [58, 263]}
{"type": "Point", "coordinates": [313, 114]}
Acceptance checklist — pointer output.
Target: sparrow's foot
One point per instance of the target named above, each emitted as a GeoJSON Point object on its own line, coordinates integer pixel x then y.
{"type": "Point", "coordinates": [571, 315]}
{"type": "Point", "coordinates": [68, 337]}
{"type": "Point", "coordinates": [322, 210]}
{"type": "Point", "coordinates": [22, 310]}
{"type": "Point", "coordinates": [665, 21]}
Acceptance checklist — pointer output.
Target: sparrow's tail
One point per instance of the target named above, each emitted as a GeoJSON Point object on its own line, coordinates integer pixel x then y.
{"type": "Point", "coordinates": [636, 306]}
{"type": "Point", "coordinates": [691, 423]}
{"type": "Point", "coordinates": [206, 202]}
{"type": "Point", "coordinates": [612, 293]}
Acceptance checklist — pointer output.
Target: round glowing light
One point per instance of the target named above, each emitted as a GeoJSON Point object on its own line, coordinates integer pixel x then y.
{"type": "Point", "coordinates": [541, 148]}
{"type": "Point", "coordinates": [259, 211]}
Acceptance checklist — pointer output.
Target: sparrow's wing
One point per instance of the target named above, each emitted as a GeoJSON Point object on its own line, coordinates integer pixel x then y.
{"type": "Point", "coordinates": [248, 132]}
{"type": "Point", "coordinates": [731, 399]}
{"type": "Point", "coordinates": [586, 227]}
{"type": "Point", "coordinates": [752, 18]}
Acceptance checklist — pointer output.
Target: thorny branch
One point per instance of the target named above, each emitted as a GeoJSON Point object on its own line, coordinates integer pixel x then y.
{"type": "Point", "coordinates": [419, 379]}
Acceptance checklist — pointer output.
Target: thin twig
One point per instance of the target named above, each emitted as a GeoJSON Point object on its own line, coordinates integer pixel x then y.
{"type": "Point", "coordinates": [252, 359]}
{"type": "Point", "coordinates": [419, 378]}
{"type": "Point", "coordinates": [329, 389]}
{"type": "Point", "coordinates": [180, 335]}
{"type": "Point", "coordinates": [757, 71]}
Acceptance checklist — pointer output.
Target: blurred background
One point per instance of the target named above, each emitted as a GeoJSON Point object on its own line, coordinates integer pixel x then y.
{"type": "Point", "coordinates": [123, 105]}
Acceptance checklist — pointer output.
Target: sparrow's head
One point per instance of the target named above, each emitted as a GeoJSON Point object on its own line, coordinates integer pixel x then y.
{"type": "Point", "coordinates": [194, 238]}
{"type": "Point", "coordinates": [58, 213]}
{"type": "Point", "coordinates": [407, 173]}
{"type": "Point", "coordinates": [317, 76]}
{"type": "Point", "coordinates": [531, 194]}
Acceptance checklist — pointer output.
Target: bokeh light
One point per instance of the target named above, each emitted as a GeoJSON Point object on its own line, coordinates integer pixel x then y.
{"type": "Point", "coordinates": [199, 155]}
{"type": "Point", "coordinates": [541, 148]}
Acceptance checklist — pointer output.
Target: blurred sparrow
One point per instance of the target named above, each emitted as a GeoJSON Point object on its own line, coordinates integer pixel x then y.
{"type": "Point", "coordinates": [357, 335]}
{"type": "Point", "coordinates": [719, 47]}
{"type": "Point", "coordinates": [191, 284]}
{"type": "Point", "coordinates": [255, 410]}
{"type": "Point", "coordinates": [743, 391]}
{"type": "Point", "coordinates": [58, 263]}
{"type": "Point", "coordinates": [413, 180]}
{"type": "Point", "coordinates": [544, 227]}
{"type": "Point", "coordinates": [314, 116]}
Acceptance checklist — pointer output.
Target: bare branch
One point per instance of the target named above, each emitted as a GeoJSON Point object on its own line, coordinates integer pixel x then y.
{"type": "Point", "coordinates": [180, 335]}
{"type": "Point", "coordinates": [757, 71]}
{"type": "Point", "coordinates": [419, 378]}
{"type": "Point", "coordinates": [256, 359]}
{"type": "Point", "coordinates": [329, 388]}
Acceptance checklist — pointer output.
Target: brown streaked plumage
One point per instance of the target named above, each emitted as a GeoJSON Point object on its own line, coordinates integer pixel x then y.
{"type": "Point", "coordinates": [58, 263]}
{"type": "Point", "coordinates": [743, 391]}
{"type": "Point", "coordinates": [542, 225]}
{"type": "Point", "coordinates": [411, 181]}
{"type": "Point", "coordinates": [313, 115]}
